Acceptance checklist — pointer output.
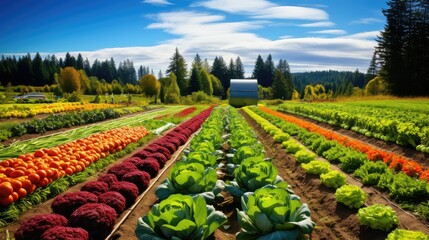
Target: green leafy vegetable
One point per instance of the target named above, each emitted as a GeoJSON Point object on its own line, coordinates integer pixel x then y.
{"type": "Point", "coordinates": [180, 217]}
{"type": "Point", "coordinates": [304, 156]}
{"type": "Point", "coordinates": [291, 146]}
{"type": "Point", "coordinates": [333, 179]}
{"type": "Point", "coordinates": [378, 217]}
{"type": "Point", "coordinates": [207, 159]}
{"type": "Point", "coordinates": [273, 213]}
{"type": "Point", "coordinates": [254, 173]}
{"type": "Point", "coordinates": [351, 196]}
{"type": "Point", "coordinates": [281, 137]}
{"type": "Point", "coordinates": [402, 234]}
{"type": "Point", "coordinates": [316, 167]}
{"type": "Point", "coordinates": [246, 152]}
{"type": "Point", "coordinates": [190, 178]}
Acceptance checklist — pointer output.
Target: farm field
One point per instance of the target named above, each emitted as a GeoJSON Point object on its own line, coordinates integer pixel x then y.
{"type": "Point", "coordinates": [332, 185]}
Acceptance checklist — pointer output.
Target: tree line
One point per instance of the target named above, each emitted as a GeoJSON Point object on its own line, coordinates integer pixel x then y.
{"type": "Point", "coordinates": [76, 74]}
{"type": "Point", "coordinates": [36, 71]}
{"type": "Point", "coordinates": [403, 48]}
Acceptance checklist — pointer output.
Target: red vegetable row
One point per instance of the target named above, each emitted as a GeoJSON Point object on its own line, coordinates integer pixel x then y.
{"type": "Point", "coordinates": [91, 212]}
{"type": "Point", "coordinates": [185, 112]}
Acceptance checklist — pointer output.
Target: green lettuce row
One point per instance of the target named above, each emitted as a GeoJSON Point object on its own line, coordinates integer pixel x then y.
{"type": "Point", "coordinates": [402, 188]}
{"type": "Point", "coordinates": [404, 128]}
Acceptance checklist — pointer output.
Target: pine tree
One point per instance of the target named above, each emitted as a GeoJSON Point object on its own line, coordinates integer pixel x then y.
{"type": "Point", "coordinates": [70, 61]}
{"type": "Point", "coordinates": [284, 68]}
{"type": "Point", "coordinates": [258, 71]}
{"type": "Point", "coordinates": [269, 71]}
{"type": "Point", "coordinates": [195, 81]}
{"type": "Point", "coordinates": [239, 69]}
{"type": "Point", "coordinates": [39, 71]}
{"type": "Point", "coordinates": [220, 70]}
{"type": "Point", "coordinates": [197, 62]}
{"type": "Point", "coordinates": [403, 47]}
{"type": "Point", "coordinates": [373, 67]}
{"type": "Point", "coordinates": [232, 70]}
{"type": "Point", "coordinates": [279, 85]}
{"type": "Point", "coordinates": [24, 71]}
{"type": "Point", "coordinates": [79, 62]}
{"type": "Point", "coordinates": [178, 67]}
{"type": "Point", "coordinates": [87, 67]}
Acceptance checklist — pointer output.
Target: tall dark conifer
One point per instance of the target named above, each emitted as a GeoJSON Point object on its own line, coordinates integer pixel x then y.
{"type": "Point", "coordinates": [220, 70]}
{"type": "Point", "coordinates": [239, 69]}
{"type": "Point", "coordinates": [403, 47]}
{"type": "Point", "coordinates": [178, 67]}
{"type": "Point", "coordinates": [258, 71]}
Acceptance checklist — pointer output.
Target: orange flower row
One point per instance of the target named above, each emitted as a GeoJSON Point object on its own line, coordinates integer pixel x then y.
{"type": "Point", "coordinates": [394, 161]}
{"type": "Point", "coordinates": [23, 175]}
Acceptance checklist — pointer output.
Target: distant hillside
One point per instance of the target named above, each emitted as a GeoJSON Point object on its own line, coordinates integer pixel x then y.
{"type": "Point", "coordinates": [339, 82]}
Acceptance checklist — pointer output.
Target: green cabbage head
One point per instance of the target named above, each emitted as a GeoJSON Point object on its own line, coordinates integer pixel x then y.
{"type": "Point", "coordinates": [254, 173]}
{"type": "Point", "coordinates": [190, 178]}
{"type": "Point", "coordinates": [273, 213]}
{"type": "Point", "coordinates": [180, 217]}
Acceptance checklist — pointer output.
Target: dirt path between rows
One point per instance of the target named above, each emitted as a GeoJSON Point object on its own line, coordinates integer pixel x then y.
{"type": "Point", "coordinates": [333, 221]}
{"type": "Point", "coordinates": [421, 158]}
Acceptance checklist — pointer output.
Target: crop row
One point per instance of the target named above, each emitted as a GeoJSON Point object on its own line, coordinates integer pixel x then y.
{"type": "Point", "coordinates": [30, 110]}
{"type": "Point", "coordinates": [53, 122]}
{"type": "Point", "coordinates": [407, 190]}
{"type": "Point", "coordinates": [23, 175]}
{"type": "Point", "coordinates": [32, 145]}
{"type": "Point", "coordinates": [376, 216]}
{"type": "Point", "coordinates": [253, 181]}
{"type": "Point", "coordinates": [394, 161]}
{"type": "Point", "coordinates": [396, 125]}
{"type": "Point", "coordinates": [92, 212]}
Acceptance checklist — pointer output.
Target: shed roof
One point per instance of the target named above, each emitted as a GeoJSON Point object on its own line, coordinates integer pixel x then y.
{"type": "Point", "coordinates": [244, 85]}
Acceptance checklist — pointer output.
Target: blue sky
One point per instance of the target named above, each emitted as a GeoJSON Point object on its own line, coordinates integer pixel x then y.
{"type": "Point", "coordinates": [309, 34]}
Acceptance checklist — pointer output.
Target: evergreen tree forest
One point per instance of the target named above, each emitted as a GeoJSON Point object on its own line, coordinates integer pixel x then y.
{"type": "Point", "coordinates": [341, 83]}
{"type": "Point", "coordinates": [36, 71]}
{"type": "Point", "coordinates": [276, 80]}
{"type": "Point", "coordinates": [403, 47]}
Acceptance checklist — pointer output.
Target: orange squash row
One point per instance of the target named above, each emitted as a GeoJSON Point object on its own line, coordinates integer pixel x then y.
{"type": "Point", "coordinates": [23, 175]}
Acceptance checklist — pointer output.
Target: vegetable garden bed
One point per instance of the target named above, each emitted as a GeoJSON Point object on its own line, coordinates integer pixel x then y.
{"type": "Point", "coordinates": [332, 218]}
{"type": "Point", "coordinates": [45, 207]}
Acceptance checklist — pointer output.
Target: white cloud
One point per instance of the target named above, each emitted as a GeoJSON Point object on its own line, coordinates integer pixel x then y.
{"type": "Point", "coordinates": [236, 6]}
{"type": "Point", "coordinates": [211, 35]}
{"type": "Point", "coordinates": [365, 35]}
{"type": "Point", "coordinates": [157, 2]}
{"type": "Point", "coordinates": [330, 31]}
{"type": "Point", "coordinates": [367, 21]}
{"type": "Point", "coordinates": [265, 9]}
{"type": "Point", "coordinates": [291, 12]}
{"type": "Point", "coordinates": [317, 24]}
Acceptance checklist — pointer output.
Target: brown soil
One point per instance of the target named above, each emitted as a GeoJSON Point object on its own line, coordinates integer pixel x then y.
{"type": "Point", "coordinates": [333, 220]}
{"type": "Point", "coordinates": [421, 158]}
{"type": "Point", "coordinates": [35, 135]}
